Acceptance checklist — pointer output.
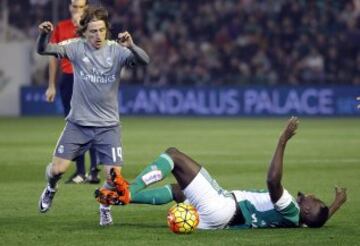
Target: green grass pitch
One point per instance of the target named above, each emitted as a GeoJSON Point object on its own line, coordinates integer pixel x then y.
{"type": "Point", "coordinates": [324, 153]}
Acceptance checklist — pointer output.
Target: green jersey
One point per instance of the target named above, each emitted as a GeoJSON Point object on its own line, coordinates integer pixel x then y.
{"type": "Point", "coordinates": [259, 211]}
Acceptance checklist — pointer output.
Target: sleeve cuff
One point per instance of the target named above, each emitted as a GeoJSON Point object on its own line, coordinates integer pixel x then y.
{"type": "Point", "coordinates": [284, 201]}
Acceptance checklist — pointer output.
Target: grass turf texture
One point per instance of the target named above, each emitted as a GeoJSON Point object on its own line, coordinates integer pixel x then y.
{"type": "Point", "coordinates": [325, 152]}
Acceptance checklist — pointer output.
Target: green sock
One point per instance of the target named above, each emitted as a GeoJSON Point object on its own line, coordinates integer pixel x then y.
{"type": "Point", "coordinates": [156, 196]}
{"type": "Point", "coordinates": [153, 173]}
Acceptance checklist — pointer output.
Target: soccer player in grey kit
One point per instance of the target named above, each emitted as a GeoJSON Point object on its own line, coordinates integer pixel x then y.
{"type": "Point", "coordinates": [94, 116]}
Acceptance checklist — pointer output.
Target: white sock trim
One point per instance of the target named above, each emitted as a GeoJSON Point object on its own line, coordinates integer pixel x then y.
{"type": "Point", "coordinates": [102, 206]}
{"type": "Point", "coordinates": [48, 174]}
{"type": "Point", "coordinates": [51, 189]}
{"type": "Point", "coordinates": [108, 186]}
{"type": "Point", "coordinates": [168, 158]}
{"type": "Point", "coordinates": [168, 187]}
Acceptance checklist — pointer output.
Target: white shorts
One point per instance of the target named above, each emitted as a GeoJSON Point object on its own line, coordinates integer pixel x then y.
{"type": "Point", "coordinates": [215, 206]}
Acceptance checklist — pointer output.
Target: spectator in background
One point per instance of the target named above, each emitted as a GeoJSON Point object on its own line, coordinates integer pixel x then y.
{"type": "Point", "coordinates": [313, 67]}
{"type": "Point", "coordinates": [248, 41]}
{"type": "Point", "coordinates": [65, 30]}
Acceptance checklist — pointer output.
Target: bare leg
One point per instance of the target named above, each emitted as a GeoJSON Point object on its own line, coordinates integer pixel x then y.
{"type": "Point", "coordinates": [59, 165]}
{"type": "Point", "coordinates": [178, 194]}
{"type": "Point", "coordinates": [56, 169]}
{"type": "Point", "coordinates": [185, 168]}
{"type": "Point", "coordinates": [54, 172]}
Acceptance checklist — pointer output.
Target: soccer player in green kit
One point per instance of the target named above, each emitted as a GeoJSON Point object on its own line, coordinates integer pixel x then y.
{"type": "Point", "coordinates": [219, 208]}
{"type": "Point", "coordinates": [93, 120]}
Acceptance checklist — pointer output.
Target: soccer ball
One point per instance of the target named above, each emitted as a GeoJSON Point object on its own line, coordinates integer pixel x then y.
{"type": "Point", "coordinates": [182, 218]}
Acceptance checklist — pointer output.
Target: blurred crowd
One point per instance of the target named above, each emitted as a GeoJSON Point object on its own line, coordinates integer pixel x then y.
{"type": "Point", "coordinates": [229, 42]}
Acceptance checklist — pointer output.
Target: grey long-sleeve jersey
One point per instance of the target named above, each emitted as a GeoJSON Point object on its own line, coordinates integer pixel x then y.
{"type": "Point", "coordinates": [94, 100]}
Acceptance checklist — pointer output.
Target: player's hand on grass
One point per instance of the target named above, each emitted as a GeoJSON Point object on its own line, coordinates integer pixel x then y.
{"type": "Point", "coordinates": [50, 94]}
{"type": "Point", "coordinates": [290, 129]}
{"type": "Point", "coordinates": [125, 39]}
{"type": "Point", "coordinates": [340, 195]}
{"type": "Point", "coordinates": [340, 199]}
{"type": "Point", "coordinates": [46, 27]}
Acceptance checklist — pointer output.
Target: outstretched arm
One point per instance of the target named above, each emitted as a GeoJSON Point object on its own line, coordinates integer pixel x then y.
{"type": "Point", "coordinates": [275, 171]}
{"type": "Point", "coordinates": [126, 40]}
{"type": "Point", "coordinates": [42, 43]}
{"type": "Point", "coordinates": [340, 199]}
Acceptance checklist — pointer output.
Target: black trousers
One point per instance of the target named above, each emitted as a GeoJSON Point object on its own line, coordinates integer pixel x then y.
{"type": "Point", "coordinates": [66, 83]}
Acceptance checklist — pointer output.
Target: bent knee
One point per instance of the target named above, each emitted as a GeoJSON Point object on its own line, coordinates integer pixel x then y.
{"type": "Point", "coordinates": [178, 194]}
{"type": "Point", "coordinates": [173, 152]}
{"type": "Point", "coordinates": [59, 165]}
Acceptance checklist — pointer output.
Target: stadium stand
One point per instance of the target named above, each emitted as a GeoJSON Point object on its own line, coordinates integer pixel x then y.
{"type": "Point", "coordinates": [229, 42]}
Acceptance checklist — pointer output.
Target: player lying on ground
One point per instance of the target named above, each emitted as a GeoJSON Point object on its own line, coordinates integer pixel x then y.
{"type": "Point", "coordinates": [219, 208]}
{"type": "Point", "coordinates": [93, 120]}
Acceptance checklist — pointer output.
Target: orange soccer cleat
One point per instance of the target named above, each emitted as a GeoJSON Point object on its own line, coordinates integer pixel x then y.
{"type": "Point", "coordinates": [121, 185]}
{"type": "Point", "coordinates": [107, 197]}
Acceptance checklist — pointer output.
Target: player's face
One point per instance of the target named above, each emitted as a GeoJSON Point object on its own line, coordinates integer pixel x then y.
{"type": "Point", "coordinates": [308, 198]}
{"type": "Point", "coordinates": [77, 7]}
{"type": "Point", "coordinates": [95, 33]}
{"type": "Point", "coordinates": [309, 202]}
